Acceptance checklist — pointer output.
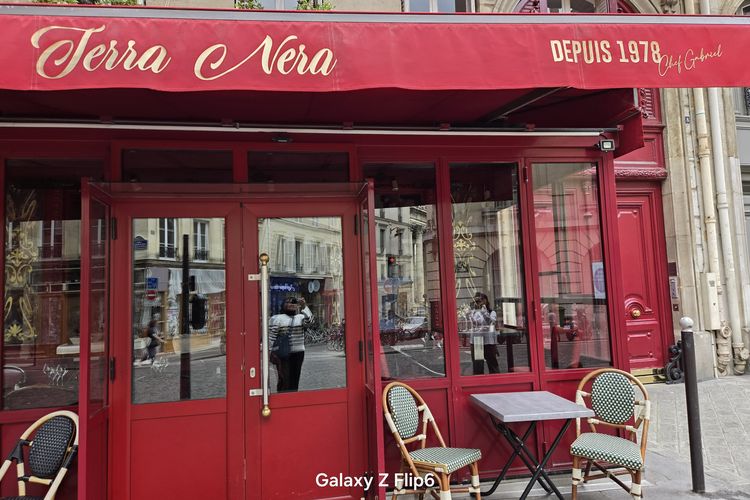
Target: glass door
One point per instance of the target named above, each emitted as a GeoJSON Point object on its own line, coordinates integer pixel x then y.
{"type": "Point", "coordinates": [304, 385]}
{"type": "Point", "coordinates": [93, 345]}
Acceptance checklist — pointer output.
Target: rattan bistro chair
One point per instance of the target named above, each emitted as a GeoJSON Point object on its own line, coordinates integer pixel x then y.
{"type": "Point", "coordinates": [616, 405]}
{"type": "Point", "coordinates": [402, 407]}
{"type": "Point", "coordinates": [52, 443]}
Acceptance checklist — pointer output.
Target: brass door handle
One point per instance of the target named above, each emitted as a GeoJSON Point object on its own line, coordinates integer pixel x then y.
{"type": "Point", "coordinates": [635, 313]}
{"type": "Point", "coordinates": [266, 412]}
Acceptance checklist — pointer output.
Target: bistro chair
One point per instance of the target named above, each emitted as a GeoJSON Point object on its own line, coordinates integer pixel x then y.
{"type": "Point", "coordinates": [52, 443]}
{"type": "Point", "coordinates": [402, 407]}
{"type": "Point", "coordinates": [616, 406]}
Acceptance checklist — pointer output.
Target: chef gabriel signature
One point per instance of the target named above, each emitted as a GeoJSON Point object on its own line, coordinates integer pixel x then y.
{"type": "Point", "coordinates": [688, 60]}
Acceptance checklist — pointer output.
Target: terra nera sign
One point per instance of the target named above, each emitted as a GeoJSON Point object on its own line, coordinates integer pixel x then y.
{"type": "Point", "coordinates": [64, 49]}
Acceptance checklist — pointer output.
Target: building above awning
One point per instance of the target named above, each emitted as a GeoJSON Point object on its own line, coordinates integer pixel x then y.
{"type": "Point", "coordinates": [70, 48]}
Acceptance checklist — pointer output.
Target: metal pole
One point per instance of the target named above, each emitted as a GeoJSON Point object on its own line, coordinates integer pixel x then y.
{"type": "Point", "coordinates": [693, 405]}
{"type": "Point", "coordinates": [185, 326]}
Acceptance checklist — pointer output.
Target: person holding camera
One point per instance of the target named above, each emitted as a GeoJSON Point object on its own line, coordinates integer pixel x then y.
{"type": "Point", "coordinates": [483, 322]}
{"type": "Point", "coordinates": [286, 338]}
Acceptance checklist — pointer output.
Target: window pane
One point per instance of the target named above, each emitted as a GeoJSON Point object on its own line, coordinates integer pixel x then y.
{"type": "Point", "coordinates": [454, 6]}
{"type": "Point", "coordinates": [409, 300]}
{"type": "Point", "coordinates": [280, 167]}
{"type": "Point", "coordinates": [419, 5]}
{"type": "Point", "coordinates": [492, 326]}
{"type": "Point", "coordinates": [161, 165]}
{"type": "Point", "coordinates": [179, 346]}
{"type": "Point", "coordinates": [41, 336]}
{"type": "Point", "coordinates": [98, 304]}
{"type": "Point", "coordinates": [571, 265]}
{"type": "Point", "coordinates": [306, 304]}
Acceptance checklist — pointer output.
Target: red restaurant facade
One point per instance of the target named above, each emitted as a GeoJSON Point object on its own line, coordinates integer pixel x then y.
{"type": "Point", "coordinates": [399, 172]}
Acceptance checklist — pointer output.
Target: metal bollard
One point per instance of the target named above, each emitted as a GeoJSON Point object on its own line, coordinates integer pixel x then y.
{"type": "Point", "coordinates": [693, 405]}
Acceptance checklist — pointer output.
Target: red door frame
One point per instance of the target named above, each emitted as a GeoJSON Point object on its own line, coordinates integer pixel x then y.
{"type": "Point", "coordinates": [90, 470]}
{"type": "Point", "coordinates": [236, 403]}
{"type": "Point", "coordinates": [353, 393]}
{"type": "Point", "coordinates": [125, 412]}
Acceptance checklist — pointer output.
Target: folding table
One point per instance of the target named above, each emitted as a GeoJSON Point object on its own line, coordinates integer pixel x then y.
{"type": "Point", "coordinates": [512, 407]}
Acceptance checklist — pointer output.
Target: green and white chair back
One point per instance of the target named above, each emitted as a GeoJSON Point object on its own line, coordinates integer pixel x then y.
{"type": "Point", "coordinates": [404, 410]}
{"type": "Point", "coordinates": [613, 398]}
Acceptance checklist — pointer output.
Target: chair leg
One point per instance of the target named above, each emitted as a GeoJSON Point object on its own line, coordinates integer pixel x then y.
{"type": "Point", "coordinates": [445, 487]}
{"type": "Point", "coordinates": [475, 486]}
{"type": "Point", "coordinates": [589, 463]}
{"type": "Point", "coordinates": [576, 478]}
{"type": "Point", "coordinates": [635, 488]}
{"type": "Point", "coordinates": [398, 483]}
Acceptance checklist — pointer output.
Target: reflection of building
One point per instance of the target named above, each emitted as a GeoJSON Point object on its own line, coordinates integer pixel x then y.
{"type": "Point", "coordinates": [400, 242]}
{"type": "Point", "coordinates": [158, 250]}
{"type": "Point", "coordinates": [305, 261]}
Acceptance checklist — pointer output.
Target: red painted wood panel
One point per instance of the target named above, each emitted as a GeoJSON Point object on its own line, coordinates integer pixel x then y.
{"type": "Point", "coordinates": [297, 444]}
{"type": "Point", "coordinates": [183, 457]}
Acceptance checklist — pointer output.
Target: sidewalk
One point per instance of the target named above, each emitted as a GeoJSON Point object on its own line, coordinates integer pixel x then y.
{"type": "Point", "coordinates": [725, 426]}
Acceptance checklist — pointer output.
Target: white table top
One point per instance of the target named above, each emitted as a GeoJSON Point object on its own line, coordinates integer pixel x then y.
{"type": "Point", "coordinates": [529, 406]}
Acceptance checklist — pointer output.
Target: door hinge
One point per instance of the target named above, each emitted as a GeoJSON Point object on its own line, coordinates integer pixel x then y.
{"type": "Point", "coordinates": [533, 310]}
{"type": "Point", "coordinates": [361, 351]}
{"type": "Point", "coordinates": [356, 224]}
{"type": "Point", "coordinates": [525, 173]}
{"type": "Point", "coordinates": [113, 228]}
{"type": "Point", "coordinates": [253, 277]}
{"type": "Point", "coordinates": [112, 369]}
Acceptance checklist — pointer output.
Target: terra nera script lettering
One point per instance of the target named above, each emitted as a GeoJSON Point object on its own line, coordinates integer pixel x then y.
{"type": "Point", "coordinates": [69, 48]}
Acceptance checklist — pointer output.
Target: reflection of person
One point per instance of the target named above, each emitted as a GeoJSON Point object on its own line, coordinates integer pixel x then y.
{"type": "Point", "coordinates": [483, 321]}
{"type": "Point", "coordinates": [155, 340]}
{"type": "Point", "coordinates": [292, 320]}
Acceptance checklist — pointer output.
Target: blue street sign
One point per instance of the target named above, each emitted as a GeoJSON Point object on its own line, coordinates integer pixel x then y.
{"type": "Point", "coordinates": [152, 283]}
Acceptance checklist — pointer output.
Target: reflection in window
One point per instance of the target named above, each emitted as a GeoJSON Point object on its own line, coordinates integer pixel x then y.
{"type": "Point", "coordinates": [179, 325]}
{"type": "Point", "coordinates": [162, 165]}
{"type": "Point", "coordinates": [571, 265]}
{"type": "Point", "coordinates": [98, 305]}
{"type": "Point", "coordinates": [306, 303]}
{"type": "Point", "coordinates": [409, 300]}
{"type": "Point", "coordinates": [297, 167]}
{"type": "Point", "coordinates": [493, 336]}
{"type": "Point", "coordinates": [438, 5]}
{"type": "Point", "coordinates": [168, 238]}
{"type": "Point", "coordinates": [41, 332]}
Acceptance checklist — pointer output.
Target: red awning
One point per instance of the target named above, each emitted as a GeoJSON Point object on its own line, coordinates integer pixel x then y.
{"type": "Point", "coordinates": [64, 48]}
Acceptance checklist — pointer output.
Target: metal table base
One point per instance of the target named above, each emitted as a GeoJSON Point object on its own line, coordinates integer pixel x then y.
{"type": "Point", "coordinates": [520, 450]}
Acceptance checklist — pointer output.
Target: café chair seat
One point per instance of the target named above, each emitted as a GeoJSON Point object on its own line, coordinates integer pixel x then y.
{"type": "Point", "coordinates": [608, 448]}
{"type": "Point", "coordinates": [446, 460]}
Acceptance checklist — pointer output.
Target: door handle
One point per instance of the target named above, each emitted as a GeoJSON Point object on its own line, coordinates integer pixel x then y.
{"type": "Point", "coordinates": [264, 286]}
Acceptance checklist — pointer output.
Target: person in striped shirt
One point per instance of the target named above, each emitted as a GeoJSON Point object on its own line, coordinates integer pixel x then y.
{"type": "Point", "coordinates": [292, 320]}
